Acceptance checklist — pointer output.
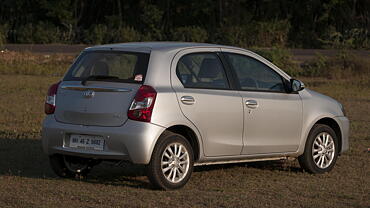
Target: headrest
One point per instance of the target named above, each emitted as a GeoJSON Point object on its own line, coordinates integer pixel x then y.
{"type": "Point", "coordinates": [101, 68]}
{"type": "Point", "coordinates": [210, 68]}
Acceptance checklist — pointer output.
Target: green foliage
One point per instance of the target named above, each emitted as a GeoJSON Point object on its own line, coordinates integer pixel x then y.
{"type": "Point", "coordinates": [353, 38]}
{"type": "Point", "coordinates": [151, 19]}
{"type": "Point", "coordinates": [348, 64]}
{"type": "Point", "coordinates": [316, 67]}
{"type": "Point", "coordinates": [358, 38]}
{"type": "Point", "coordinates": [3, 31]}
{"type": "Point", "coordinates": [232, 35]}
{"type": "Point", "coordinates": [273, 33]}
{"type": "Point", "coordinates": [343, 65]}
{"type": "Point", "coordinates": [190, 34]}
{"type": "Point", "coordinates": [42, 32]}
{"type": "Point", "coordinates": [127, 34]}
{"type": "Point", "coordinates": [255, 34]}
{"type": "Point", "coordinates": [245, 23]}
{"type": "Point", "coordinates": [97, 34]}
{"type": "Point", "coordinates": [59, 11]}
{"type": "Point", "coordinates": [282, 58]}
{"type": "Point", "coordinates": [100, 34]}
{"type": "Point", "coordinates": [2, 39]}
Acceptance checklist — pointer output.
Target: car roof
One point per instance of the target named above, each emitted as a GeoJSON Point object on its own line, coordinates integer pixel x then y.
{"type": "Point", "coordinates": [157, 46]}
{"type": "Point", "coordinates": [171, 46]}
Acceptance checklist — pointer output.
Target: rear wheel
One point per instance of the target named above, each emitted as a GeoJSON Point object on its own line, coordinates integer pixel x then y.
{"type": "Point", "coordinates": [172, 161]}
{"type": "Point", "coordinates": [70, 166]}
{"type": "Point", "coordinates": [321, 150]}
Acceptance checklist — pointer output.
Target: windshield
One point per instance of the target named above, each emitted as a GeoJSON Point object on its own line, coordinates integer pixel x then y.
{"type": "Point", "coordinates": [121, 66]}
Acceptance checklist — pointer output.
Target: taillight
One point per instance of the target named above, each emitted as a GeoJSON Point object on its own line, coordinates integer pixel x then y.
{"type": "Point", "coordinates": [50, 98]}
{"type": "Point", "coordinates": [142, 106]}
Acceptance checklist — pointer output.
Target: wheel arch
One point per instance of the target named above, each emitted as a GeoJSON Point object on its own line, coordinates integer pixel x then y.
{"type": "Point", "coordinates": [335, 126]}
{"type": "Point", "coordinates": [190, 135]}
{"type": "Point", "coordinates": [326, 120]}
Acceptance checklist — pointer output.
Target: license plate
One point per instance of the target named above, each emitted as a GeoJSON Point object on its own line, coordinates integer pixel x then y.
{"type": "Point", "coordinates": [86, 142]}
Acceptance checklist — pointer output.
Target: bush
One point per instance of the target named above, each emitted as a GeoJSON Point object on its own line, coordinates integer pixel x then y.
{"type": "Point", "coordinates": [151, 19]}
{"type": "Point", "coordinates": [343, 65]}
{"type": "Point", "coordinates": [358, 38]}
{"type": "Point", "coordinates": [101, 34]}
{"type": "Point", "coordinates": [282, 58]}
{"type": "Point", "coordinates": [42, 32]}
{"type": "Point", "coordinates": [2, 39]}
{"type": "Point", "coordinates": [3, 36]}
{"type": "Point", "coordinates": [232, 35]}
{"type": "Point", "coordinates": [127, 34]}
{"type": "Point", "coordinates": [96, 34]}
{"type": "Point", "coordinates": [315, 67]}
{"type": "Point", "coordinates": [261, 34]}
{"type": "Point", "coordinates": [190, 34]}
{"type": "Point", "coordinates": [271, 34]}
{"type": "Point", "coordinates": [353, 38]}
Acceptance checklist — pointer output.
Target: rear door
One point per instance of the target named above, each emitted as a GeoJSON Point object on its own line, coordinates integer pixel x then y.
{"type": "Point", "coordinates": [272, 117]}
{"type": "Point", "coordinates": [101, 102]}
{"type": "Point", "coordinates": [206, 99]}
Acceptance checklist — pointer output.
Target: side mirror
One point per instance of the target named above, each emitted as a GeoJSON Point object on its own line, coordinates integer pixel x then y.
{"type": "Point", "coordinates": [296, 85]}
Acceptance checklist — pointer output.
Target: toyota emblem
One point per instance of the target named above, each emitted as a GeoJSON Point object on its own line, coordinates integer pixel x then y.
{"type": "Point", "coordinates": [89, 94]}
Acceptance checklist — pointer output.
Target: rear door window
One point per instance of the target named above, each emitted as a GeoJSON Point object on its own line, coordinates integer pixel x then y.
{"type": "Point", "coordinates": [125, 66]}
{"type": "Point", "coordinates": [202, 70]}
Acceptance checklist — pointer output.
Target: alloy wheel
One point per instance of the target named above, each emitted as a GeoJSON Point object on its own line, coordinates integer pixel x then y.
{"type": "Point", "coordinates": [323, 150]}
{"type": "Point", "coordinates": [175, 162]}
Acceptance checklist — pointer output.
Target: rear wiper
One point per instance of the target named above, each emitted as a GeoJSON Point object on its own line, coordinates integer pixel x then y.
{"type": "Point", "coordinates": [98, 77]}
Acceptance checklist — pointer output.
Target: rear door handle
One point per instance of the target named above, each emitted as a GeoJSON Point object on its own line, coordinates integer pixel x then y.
{"type": "Point", "coordinates": [251, 104]}
{"type": "Point", "coordinates": [187, 100]}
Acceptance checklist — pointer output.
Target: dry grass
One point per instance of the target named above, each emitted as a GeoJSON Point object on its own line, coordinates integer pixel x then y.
{"type": "Point", "coordinates": [34, 64]}
{"type": "Point", "coordinates": [27, 181]}
{"type": "Point", "coordinates": [21, 105]}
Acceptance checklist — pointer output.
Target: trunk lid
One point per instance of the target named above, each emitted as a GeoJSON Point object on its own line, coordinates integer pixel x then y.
{"type": "Point", "coordinates": [98, 103]}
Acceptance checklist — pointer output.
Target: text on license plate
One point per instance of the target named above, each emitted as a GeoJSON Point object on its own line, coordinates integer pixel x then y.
{"type": "Point", "coordinates": [86, 141]}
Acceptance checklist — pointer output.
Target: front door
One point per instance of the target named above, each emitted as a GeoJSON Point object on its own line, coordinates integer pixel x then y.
{"type": "Point", "coordinates": [272, 117]}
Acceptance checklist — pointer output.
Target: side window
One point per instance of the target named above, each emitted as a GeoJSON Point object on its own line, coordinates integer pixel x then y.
{"type": "Point", "coordinates": [255, 75]}
{"type": "Point", "coordinates": [201, 70]}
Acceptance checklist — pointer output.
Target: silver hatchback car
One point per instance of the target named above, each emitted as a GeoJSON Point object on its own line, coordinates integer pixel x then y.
{"type": "Point", "coordinates": [171, 106]}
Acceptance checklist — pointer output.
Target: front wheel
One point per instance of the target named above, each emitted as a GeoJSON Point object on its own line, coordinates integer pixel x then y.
{"type": "Point", "coordinates": [172, 161]}
{"type": "Point", "coordinates": [321, 150]}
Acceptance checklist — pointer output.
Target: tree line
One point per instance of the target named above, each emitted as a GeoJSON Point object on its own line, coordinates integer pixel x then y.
{"type": "Point", "coordinates": [245, 23]}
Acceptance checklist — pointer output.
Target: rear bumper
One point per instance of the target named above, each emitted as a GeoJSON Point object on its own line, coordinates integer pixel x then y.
{"type": "Point", "coordinates": [343, 123]}
{"type": "Point", "coordinates": [134, 141]}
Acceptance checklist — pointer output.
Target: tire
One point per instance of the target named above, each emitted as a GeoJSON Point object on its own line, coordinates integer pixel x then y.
{"type": "Point", "coordinates": [70, 166]}
{"type": "Point", "coordinates": [181, 164]}
{"type": "Point", "coordinates": [321, 150]}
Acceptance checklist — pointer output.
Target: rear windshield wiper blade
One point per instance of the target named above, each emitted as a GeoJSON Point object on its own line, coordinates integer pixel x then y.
{"type": "Point", "coordinates": [98, 77]}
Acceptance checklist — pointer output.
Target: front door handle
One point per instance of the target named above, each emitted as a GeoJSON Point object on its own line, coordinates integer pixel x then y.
{"type": "Point", "coordinates": [187, 100]}
{"type": "Point", "coordinates": [251, 104]}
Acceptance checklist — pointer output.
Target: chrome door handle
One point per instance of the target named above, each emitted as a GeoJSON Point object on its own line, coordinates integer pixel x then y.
{"type": "Point", "coordinates": [251, 104]}
{"type": "Point", "coordinates": [187, 100]}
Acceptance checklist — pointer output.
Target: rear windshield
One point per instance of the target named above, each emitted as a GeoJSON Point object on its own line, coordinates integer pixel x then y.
{"type": "Point", "coordinates": [124, 66]}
